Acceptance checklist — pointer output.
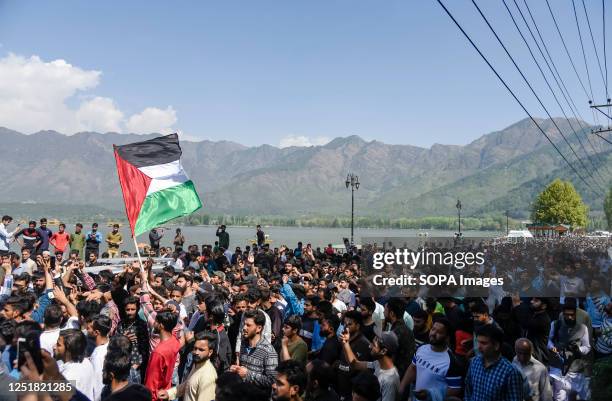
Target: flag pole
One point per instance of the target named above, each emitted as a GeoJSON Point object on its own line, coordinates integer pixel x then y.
{"type": "Point", "coordinates": [138, 253]}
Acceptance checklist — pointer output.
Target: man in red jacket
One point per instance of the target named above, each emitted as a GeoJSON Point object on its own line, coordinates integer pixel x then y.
{"type": "Point", "coordinates": [163, 357]}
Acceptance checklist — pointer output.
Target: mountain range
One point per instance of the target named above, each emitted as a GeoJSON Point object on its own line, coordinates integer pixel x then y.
{"type": "Point", "coordinates": [499, 171]}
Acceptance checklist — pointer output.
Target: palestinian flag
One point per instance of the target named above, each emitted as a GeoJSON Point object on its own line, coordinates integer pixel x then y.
{"type": "Point", "coordinates": [154, 185]}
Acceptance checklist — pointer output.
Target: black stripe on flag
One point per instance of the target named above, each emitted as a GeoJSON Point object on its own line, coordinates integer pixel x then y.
{"type": "Point", "coordinates": [160, 150]}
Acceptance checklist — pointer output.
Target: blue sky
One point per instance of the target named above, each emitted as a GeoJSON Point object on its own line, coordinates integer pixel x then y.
{"type": "Point", "coordinates": [258, 72]}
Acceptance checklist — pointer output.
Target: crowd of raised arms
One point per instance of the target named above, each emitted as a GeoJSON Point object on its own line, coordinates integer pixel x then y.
{"type": "Point", "coordinates": [216, 322]}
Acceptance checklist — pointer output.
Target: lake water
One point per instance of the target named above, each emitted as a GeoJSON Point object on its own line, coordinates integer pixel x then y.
{"type": "Point", "coordinates": [317, 236]}
{"type": "Point", "coordinates": [241, 236]}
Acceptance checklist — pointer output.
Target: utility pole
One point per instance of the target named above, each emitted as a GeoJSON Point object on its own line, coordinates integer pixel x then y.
{"type": "Point", "coordinates": [352, 181]}
{"type": "Point", "coordinates": [507, 223]}
{"type": "Point", "coordinates": [458, 206]}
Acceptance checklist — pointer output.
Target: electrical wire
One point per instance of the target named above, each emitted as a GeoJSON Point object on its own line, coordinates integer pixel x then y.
{"type": "Point", "coordinates": [569, 56]}
{"type": "Point", "coordinates": [571, 61]}
{"type": "Point", "coordinates": [513, 94]}
{"type": "Point", "coordinates": [597, 133]}
{"type": "Point", "coordinates": [530, 87]}
{"type": "Point", "coordinates": [603, 15]}
{"type": "Point", "coordinates": [586, 65]}
{"type": "Point", "coordinates": [595, 47]}
{"type": "Point", "coordinates": [561, 86]}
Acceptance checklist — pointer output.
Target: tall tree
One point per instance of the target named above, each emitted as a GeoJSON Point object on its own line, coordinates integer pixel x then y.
{"type": "Point", "coordinates": [559, 203]}
{"type": "Point", "coordinates": [608, 208]}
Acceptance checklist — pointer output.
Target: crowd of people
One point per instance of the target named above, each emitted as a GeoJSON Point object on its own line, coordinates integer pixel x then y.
{"type": "Point", "coordinates": [262, 322]}
{"type": "Point", "coordinates": [552, 267]}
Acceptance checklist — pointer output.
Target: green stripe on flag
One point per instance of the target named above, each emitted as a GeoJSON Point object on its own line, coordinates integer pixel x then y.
{"type": "Point", "coordinates": [167, 204]}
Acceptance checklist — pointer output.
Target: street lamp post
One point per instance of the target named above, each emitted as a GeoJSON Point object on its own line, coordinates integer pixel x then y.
{"type": "Point", "coordinates": [507, 221]}
{"type": "Point", "coordinates": [458, 206]}
{"type": "Point", "coordinates": [352, 181]}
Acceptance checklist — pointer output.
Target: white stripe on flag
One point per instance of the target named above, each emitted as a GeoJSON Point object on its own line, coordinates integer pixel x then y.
{"type": "Point", "coordinates": [165, 175]}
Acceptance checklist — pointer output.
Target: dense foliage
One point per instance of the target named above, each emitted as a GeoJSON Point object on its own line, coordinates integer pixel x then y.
{"type": "Point", "coordinates": [560, 203]}
{"type": "Point", "coordinates": [608, 209]}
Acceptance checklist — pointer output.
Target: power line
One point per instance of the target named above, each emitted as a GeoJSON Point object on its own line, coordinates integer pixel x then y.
{"type": "Point", "coordinates": [603, 15]}
{"type": "Point", "coordinates": [571, 60]}
{"type": "Point", "coordinates": [512, 92]}
{"type": "Point", "coordinates": [545, 48]}
{"type": "Point", "coordinates": [584, 57]}
{"type": "Point", "coordinates": [567, 51]}
{"type": "Point", "coordinates": [594, 47]}
{"type": "Point", "coordinates": [586, 66]}
{"type": "Point", "coordinates": [597, 133]}
{"type": "Point", "coordinates": [569, 56]}
{"type": "Point", "coordinates": [601, 111]}
{"type": "Point", "coordinates": [550, 56]}
{"type": "Point", "coordinates": [561, 86]}
{"type": "Point", "coordinates": [586, 14]}
{"type": "Point", "coordinates": [549, 68]}
{"type": "Point", "coordinates": [530, 87]}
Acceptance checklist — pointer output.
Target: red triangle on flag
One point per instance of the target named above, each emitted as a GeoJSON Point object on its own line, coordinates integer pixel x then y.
{"type": "Point", "coordinates": [134, 185]}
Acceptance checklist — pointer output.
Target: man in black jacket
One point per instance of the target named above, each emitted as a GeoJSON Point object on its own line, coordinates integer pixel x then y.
{"type": "Point", "coordinates": [155, 237]}
{"type": "Point", "coordinates": [394, 314]}
{"type": "Point", "coordinates": [538, 329]}
{"type": "Point", "coordinates": [261, 236]}
{"type": "Point", "coordinates": [361, 349]}
{"type": "Point", "coordinates": [224, 239]}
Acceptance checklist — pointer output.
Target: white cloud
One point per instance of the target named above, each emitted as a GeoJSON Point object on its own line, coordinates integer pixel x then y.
{"type": "Point", "coordinates": [34, 96]}
{"type": "Point", "coordinates": [152, 119]}
{"type": "Point", "coordinates": [99, 114]}
{"type": "Point", "coordinates": [302, 141]}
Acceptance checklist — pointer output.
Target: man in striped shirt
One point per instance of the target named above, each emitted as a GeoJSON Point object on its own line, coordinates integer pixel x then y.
{"type": "Point", "coordinates": [258, 359]}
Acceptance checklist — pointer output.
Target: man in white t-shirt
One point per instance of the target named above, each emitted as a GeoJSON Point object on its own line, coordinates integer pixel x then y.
{"type": "Point", "coordinates": [382, 350]}
{"type": "Point", "coordinates": [52, 321]}
{"type": "Point", "coordinates": [70, 352]}
{"type": "Point", "coordinates": [55, 314]}
{"type": "Point", "coordinates": [434, 368]}
{"type": "Point", "coordinates": [336, 303]}
{"type": "Point", "coordinates": [98, 328]}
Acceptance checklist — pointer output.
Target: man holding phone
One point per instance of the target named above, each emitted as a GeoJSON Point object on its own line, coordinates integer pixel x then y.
{"type": "Point", "coordinates": [224, 238]}
{"type": "Point", "coordinates": [92, 241]}
{"type": "Point", "coordinates": [6, 236]}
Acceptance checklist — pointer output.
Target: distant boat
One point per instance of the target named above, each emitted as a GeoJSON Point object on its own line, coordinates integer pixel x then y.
{"type": "Point", "coordinates": [266, 241]}
{"type": "Point", "coordinates": [53, 222]}
{"type": "Point", "coordinates": [112, 223]}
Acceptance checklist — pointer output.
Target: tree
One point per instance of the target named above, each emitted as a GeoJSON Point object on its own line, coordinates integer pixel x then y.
{"type": "Point", "coordinates": [608, 208]}
{"type": "Point", "coordinates": [559, 203]}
